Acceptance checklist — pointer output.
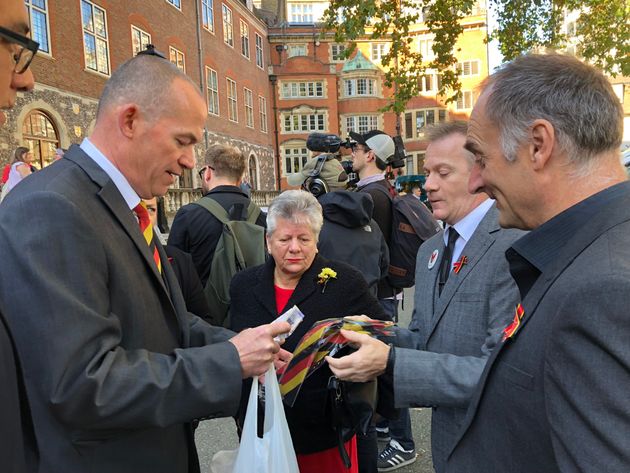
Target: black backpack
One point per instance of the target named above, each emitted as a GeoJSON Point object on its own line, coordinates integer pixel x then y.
{"type": "Point", "coordinates": [412, 225]}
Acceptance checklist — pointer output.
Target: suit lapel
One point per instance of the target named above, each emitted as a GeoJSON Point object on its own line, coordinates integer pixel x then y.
{"type": "Point", "coordinates": [482, 239]}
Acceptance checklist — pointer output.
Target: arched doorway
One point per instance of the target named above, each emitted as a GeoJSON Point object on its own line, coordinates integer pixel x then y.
{"type": "Point", "coordinates": [40, 135]}
{"type": "Point", "coordinates": [252, 170]}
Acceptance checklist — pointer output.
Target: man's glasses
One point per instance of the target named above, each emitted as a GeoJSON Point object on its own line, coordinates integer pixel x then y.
{"type": "Point", "coordinates": [27, 51]}
{"type": "Point", "coordinates": [202, 171]}
{"type": "Point", "coordinates": [357, 146]}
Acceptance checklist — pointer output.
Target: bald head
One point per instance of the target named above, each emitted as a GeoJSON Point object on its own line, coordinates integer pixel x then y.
{"type": "Point", "coordinates": [145, 81]}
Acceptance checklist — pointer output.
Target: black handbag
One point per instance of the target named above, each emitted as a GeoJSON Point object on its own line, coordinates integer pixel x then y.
{"type": "Point", "coordinates": [352, 407]}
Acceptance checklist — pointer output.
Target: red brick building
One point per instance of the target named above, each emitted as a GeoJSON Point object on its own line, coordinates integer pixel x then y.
{"type": "Point", "coordinates": [220, 44]}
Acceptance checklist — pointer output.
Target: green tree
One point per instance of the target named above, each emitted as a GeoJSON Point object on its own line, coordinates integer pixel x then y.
{"type": "Point", "coordinates": [523, 25]}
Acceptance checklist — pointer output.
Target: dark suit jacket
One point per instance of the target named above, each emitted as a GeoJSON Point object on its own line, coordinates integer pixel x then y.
{"type": "Point", "coordinates": [555, 397]}
{"type": "Point", "coordinates": [189, 282]}
{"type": "Point", "coordinates": [253, 303]}
{"type": "Point", "coordinates": [16, 428]}
{"type": "Point", "coordinates": [103, 337]}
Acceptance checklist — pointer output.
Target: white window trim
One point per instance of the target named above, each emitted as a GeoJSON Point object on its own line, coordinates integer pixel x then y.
{"type": "Point", "coordinates": [47, 13]}
{"type": "Point", "coordinates": [309, 129]}
{"type": "Point", "coordinates": [211, 4]}
{"type": "Point", "coordinates": [171, 3]}
{"type": "Point", "coordinates": [262, 113]}
{"type": "Point", "coordinates": [290, 96]}
{"type": "Point", "coordinates": [209, 72]}
{"type": "Point", "coordinates": [295, 47]}
{"type": "Point", "coordinates": [471, 61]}
{"type": "Point", "coordinates": [262, 51]}
{"type": "Point", "coordinates": [109, 61]}
{"type": "Point", "coordinates": [355, 87]}
{"type": "Point", "coordinates": [229, 83]}
{"type": "Point", "coordinates": [249, 107]}
{"type": "Point", "coordinates": [414, 131]}
{"type": "Point", "coordinates": [224, 7]}
{"type": "Point", "coordinates": [373, 122]}
{"type": "Point", "coordinates": [241, 24]}
{"type": "Point", "coordinates": [332, 55]}
{"type": "Point", "coordinates": [303, 154]}
{"type": "Point", "coordinates": [141, 31]}
{"type": "Point", "coordinates": [172, 48]}
{"type": "Point", "coordinates": [464, 94]}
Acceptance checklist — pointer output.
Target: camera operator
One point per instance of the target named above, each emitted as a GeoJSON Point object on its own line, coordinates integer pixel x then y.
{"type": "Point", "coordinates": [347, 215]}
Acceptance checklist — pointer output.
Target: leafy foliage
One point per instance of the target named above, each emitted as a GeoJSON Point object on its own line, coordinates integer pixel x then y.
{"type": "Point", "coordinates": [523, 26]}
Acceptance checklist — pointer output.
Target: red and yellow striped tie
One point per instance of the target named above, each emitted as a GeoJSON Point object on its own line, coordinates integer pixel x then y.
{"type": "Point", "coordinates": [147, 230]}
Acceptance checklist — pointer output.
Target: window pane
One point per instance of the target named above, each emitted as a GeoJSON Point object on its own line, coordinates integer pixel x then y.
{"type": "Point", "coordinates": [86, 13]}
{"type": "Point", "coordinates": [99, 23]}
{"type": "Point", "coordinates": [40, 32]}
{"type": "Point", "coordinates": [408, 125]}
{"type": "Point", "coordinates": [90, 51]}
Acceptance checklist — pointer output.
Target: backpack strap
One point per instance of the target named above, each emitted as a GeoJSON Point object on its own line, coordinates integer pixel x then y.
{"type": "Point", "coordinates": [214, 208]}
{"type": "Point", "coordinates": [253, 212]}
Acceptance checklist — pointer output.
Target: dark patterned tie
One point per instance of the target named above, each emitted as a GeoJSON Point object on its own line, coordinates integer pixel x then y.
{"type": "Point", "coordinates": [447, 258]}
{"type": "Point", "coordinates": [147, 231]}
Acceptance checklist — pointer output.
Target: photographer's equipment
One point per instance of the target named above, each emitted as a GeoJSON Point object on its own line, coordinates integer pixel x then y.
{"type": "Point", "coordinates": [398, 159]}
{"type": "Point", "coordinates": [314, 183]}
{"type": "Point", "coordinates": [353, 177]}
{"type": "Point", "coordinates": [326, 142]}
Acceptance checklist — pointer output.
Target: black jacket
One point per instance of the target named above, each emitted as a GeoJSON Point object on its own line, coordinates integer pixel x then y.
{"type": "Point", "coordinates": [197, 231]}
{"type": "Point", "coordinates": [349, 234]}
{"type": "Point", "coordinates": [383, 216]}
{"type": "Point", "coordinates": [189, 282]}
{"type": "Point", "coordinates": [253, 303]}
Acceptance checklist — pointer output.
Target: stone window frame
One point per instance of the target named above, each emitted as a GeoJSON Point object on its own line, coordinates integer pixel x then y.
{"type": "Point", "coordinates": [416, 121]}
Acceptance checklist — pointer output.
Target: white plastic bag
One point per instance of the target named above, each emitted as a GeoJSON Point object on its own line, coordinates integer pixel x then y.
{"type": "Point", "coordinates": [274, 452]}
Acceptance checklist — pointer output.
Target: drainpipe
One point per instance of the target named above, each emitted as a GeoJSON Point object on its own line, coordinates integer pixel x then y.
{"type": "Point", "coordinates": [200, 58]}
{"type": "Point", "coordinates": [274, 80]}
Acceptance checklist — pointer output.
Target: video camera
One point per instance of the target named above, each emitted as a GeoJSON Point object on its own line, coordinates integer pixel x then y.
{"type": "Point", "coordinates": [326, 142]}
{"type": "Point", "coordinates": [398, 159]}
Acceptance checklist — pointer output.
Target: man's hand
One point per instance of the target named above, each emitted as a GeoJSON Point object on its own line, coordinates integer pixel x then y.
{"type": "Point", "coordinates": [281, 360]}
{"type": "Point", "coordinates": [256, 347]}
{"type": "Point", "coordinates": [368, 362]}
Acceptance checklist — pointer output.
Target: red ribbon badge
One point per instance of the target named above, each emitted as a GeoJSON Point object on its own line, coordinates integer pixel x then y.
{"type": "Point", "coordinates": [459, 264]}
{"type": "Point", "coordinates": [510, 330]}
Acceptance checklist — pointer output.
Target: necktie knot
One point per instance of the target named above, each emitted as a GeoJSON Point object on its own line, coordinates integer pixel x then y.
{"type": "Point", "coordinates": [147, 231]}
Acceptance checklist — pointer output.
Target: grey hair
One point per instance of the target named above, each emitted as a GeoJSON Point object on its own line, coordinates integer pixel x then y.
{"type": "Point", "coordinates": [144, 80]}
{"type": "Point", "coordinates": [298, 207]}
{"type": "Point", "coordinates": [574, 97]}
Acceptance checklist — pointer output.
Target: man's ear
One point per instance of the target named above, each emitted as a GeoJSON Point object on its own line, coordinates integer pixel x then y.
{"type": "Point", "coordinates": [543, 142]}
{"type": "Point", "coordinates": [128, 119]}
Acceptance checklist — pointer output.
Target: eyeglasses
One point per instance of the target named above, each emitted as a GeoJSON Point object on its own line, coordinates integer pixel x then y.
{"type": "Point", "coordinates": [355, 146]}
{"type": "Point", "coordinates": [202, 171]}
{"type": "Point", "coordinates": [26, 53]}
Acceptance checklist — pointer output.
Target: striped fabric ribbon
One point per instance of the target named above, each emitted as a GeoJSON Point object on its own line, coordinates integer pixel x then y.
{"type": "Point", "coordinates": [510, 330]}
{"type": "Point", "coordinates": [324, 338]}
{"type": "Point", "coordinates": [147, 231]}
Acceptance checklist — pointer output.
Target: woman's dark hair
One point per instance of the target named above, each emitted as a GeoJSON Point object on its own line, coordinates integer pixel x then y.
{"type": "Point", "coordinates": [19, 153]}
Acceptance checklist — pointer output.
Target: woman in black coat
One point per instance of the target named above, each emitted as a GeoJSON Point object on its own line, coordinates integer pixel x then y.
{"type": "Point", "coordinates": [291, 277]}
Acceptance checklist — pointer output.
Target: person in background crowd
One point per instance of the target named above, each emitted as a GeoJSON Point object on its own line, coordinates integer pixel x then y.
{"type": "Point", "coordinates": [184, 269]}
{"type": "Point", "coordinates": [197, 231]}
{"type": "Point", "coordinates": [554, 394]}
{"type": "Point", "coordinates": [19, 168]}
{"type": "Point", "coordinates": [116, 368]}
{"type": "Point", "coordinates": [18, 447]}
{"type": "Point", "coordinates": [293, 277]}
{"type": "Point", "coordinates": [347, 218]}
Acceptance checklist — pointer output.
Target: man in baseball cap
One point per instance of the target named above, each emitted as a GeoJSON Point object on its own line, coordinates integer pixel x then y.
{"type": "Point", "coordinates": [380, 143]}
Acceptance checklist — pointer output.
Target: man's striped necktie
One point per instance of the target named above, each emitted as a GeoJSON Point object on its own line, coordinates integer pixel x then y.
{"type": "Point", "coordinates": [147, 231]}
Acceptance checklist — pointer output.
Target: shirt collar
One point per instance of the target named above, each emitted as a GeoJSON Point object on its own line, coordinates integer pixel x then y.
{"type": "Point", "coordinates": [371, 179]}
{"type": "Point", "coordinates": [541, 245]}
{"type": "Point", "coordinates": [120, 181]}
{"type": "Point", "coordinates": [467, 225]}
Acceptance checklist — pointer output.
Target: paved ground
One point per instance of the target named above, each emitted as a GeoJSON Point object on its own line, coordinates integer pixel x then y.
{"type": "Point", "coordinates": [220, 434]}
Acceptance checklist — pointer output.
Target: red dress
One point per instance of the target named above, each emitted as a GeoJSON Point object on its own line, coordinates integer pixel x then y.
{"type": "Point", "coordinates": [328, 461]}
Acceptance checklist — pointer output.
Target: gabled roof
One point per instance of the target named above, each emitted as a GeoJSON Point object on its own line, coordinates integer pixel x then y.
{"type": "Point", "coordinates": [358, 62]}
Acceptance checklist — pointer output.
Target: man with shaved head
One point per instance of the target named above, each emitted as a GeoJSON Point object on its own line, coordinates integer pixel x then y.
{"type": "Point", "coordinates": [16, 53]}
{"type": "Point", "coordinates": [115, 367]}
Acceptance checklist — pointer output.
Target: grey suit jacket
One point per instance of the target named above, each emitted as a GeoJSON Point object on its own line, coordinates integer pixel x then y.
{"type": "Point", "coordinates": [556, 396]}
{"type": "Point", "coordinates": [454, 334]}
{"type": "Point", "coordinates": [105, 341]}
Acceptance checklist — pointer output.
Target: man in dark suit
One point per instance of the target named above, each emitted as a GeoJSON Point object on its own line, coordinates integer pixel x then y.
{"type": "Point", "coordinates": [115, 367]}
{"type": "Point", "coordinates": [553, 397]}
{"type": "Point", "coordinates": [464, 298]}
{"type": "Point", "coordinates": [15, 422]}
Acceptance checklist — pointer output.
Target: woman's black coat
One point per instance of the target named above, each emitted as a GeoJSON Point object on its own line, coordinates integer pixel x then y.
{"type": "Point", "coordinates": [253, 303]}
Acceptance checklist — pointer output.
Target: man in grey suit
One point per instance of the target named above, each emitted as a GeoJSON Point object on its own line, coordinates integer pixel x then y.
{"type": "Point", "coordinates": [464, 298]}
{"type": "Point", "coordinates": [115, 367]}
{"type": "Point", "coordinates": [553, 397]}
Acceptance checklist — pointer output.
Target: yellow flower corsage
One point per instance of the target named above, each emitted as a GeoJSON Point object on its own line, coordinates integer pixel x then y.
{"type": "Point", "coordinates": [324, 276]}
